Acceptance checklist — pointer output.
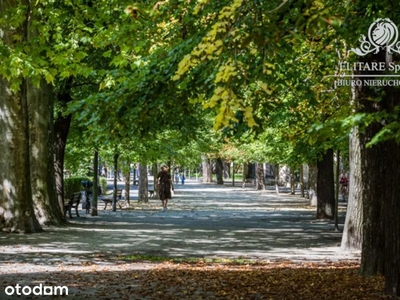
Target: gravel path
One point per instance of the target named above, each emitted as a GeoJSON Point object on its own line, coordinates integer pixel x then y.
{"type": "Point", "coordinates": [202, 221]}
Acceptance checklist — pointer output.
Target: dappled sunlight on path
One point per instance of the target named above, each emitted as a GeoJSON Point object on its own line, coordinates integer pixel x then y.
{"type": "Point", "coordinates": [202, 221]}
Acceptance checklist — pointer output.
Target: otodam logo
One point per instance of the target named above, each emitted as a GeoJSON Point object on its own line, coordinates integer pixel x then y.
{"type": "Point", "coordinates": [382, 35]}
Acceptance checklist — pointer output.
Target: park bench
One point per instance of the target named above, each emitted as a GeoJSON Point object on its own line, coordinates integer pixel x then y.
{"type": "Point", "coordinates": [73, 202]}
{"type": "Point", "coordinates": [109, 200]}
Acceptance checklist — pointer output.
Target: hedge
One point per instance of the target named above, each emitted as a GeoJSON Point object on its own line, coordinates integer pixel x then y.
{"type": "Point", "coordinates": [103, 184]}
{"type": "Point", "coordinates": [73, 185]}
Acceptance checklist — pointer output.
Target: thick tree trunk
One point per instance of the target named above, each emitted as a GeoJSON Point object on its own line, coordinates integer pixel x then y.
{"type": "Point", "coordinates": [260, 176]}
{"type": "Point", "coordinates": [380, 186]}
{"type": "Point", "coordinates": [16, 204]}
{"type": "Point", "coordinates": [41, 116]}
{"type": "Point", "coordinates": [219, 171]}
{"type": "Point", "coordinates": [40, 105]}
{"type": "Point", "coordinates": [207, 169]}
{"type": "Point", "coordinates": [373, 166]}
{"type": "Point", "coordinates": [143, 183]}
{"type": "Point", "coordinates": [352, 232]}
{"type": "Point", "coordinates": [389, 188]}
{"type": "Point", "coordinates": [391, 221]}
{"type": "Point", "coordinates": [325, 187]}
{"type": "Point", "coordinates": [312, 184]}
{"type": "Point", "coordinates": [61, 129]}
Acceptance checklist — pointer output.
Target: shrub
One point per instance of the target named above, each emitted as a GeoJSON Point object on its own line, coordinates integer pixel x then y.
{"type": "Point", "coordinates": [73, 185]}
{"type": "Point", "coordinates": [103, 184]}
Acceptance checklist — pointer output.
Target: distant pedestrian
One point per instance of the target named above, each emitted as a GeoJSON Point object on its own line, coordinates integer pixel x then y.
{"type": "Point", "coordinates": [183, 178]}
{"type": "Point", "coordinates": [164, 186]}
{"type": "Point", "coordinates": [344, 182]}
{"type": "Point", "coordinates": [176, 177]}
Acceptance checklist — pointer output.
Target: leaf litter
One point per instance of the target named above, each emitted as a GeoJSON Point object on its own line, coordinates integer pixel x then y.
{"type": "Point", "coordinates": [202, 280]}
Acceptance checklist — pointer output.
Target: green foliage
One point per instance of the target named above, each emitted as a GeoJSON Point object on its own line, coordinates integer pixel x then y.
{"type": "Point", "coordinates": [78, 154]}
{"type": "Point", "coordinates": [146, 78]}
{"type": "Point", "coordinates": [73, 185]}
{"type": "Point", "coordinates": [103, 184]}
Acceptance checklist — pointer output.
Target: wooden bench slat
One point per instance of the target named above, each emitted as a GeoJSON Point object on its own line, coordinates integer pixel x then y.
{"type": "Point", "coordinates": [73, 202]}
{"type": "Point", "coordinates": [109, 200]}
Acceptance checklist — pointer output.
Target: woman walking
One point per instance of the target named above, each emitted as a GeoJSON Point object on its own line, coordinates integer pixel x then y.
{"type": "Point", "coordinates": [164, 186]}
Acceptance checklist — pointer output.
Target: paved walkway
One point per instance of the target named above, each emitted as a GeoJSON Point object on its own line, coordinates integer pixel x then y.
{"type": "Point", "coordinates": [202, 221]}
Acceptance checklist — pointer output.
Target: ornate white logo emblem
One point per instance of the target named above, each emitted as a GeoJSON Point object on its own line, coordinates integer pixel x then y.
{"type": "Point", "coordinates": [382, 33]}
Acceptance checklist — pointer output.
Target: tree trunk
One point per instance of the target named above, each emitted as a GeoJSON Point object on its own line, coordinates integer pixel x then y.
{"type": "Point", "coordinates": [312, 184]}
{"type": "Point", "coordinates": [219, 171]}
{"type": "Point", "coordinates": [143, 183]}
{"type": "Point", "coordinates": [391, 219]}
{"type": "Point", "coordinates": [41, 105]}
{"type": "Point", "coordinates": [302, 181]}
{"type": "Point", "coordinates": [245, 172]}
{"type": "Point", "coordinates": [16, 204]}
{"type": "Point", "coordinates": [260, 176]}
{"type": "Point", "coordinates": [94, 211]}
{"type": "Point", "coordinates": [127, 177]}
{"type": "Point", "coordinates": [207, 169]}
{"type": "Point", "coordinates": [380, 164]}
{"type": "Point", "coordinates": [377, 189]}
{"type": "Point", "coordinates": [292, 187]}
{"type": "Point", "coordinates": [352, 232]}
{"type": "Point", "coordinates": [114, 203]}
{"type": "Point", "coordinates": [227, 170]}
{"type": "Point", "coordinates": [155, 172]}
{"type": "Point", "coordinates": [373, 166]}
{"type": "Point", "coordinates": [233, 174]}
{"type": "Point", "coordinates": [380, 186]}
{"type": "Point", "coordinates": [41, 140]}
{"type": "Point", "coordinates": [276, 171]}
{"type": "Point", "coordinates": [337, 183]}
{"type": "Point", "coordinates": [325, 187]}
{"type": "Point", "coordinates": [61, 129]}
